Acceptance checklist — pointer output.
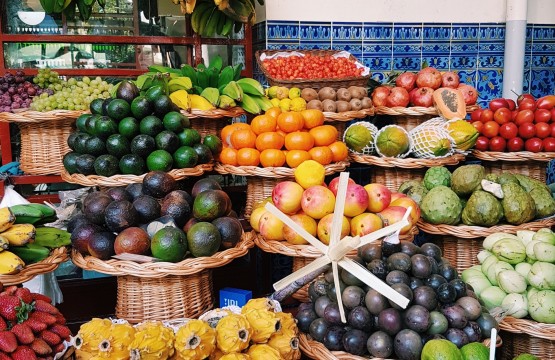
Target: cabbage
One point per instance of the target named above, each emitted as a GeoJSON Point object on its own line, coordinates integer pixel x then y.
{"type": "Point", "coordinates": [495, 269]}
{"type": "Point", "coordinates": [489, 262]}
{"type": "Point", "coordinates": [491, 239]}
{"type": "Point", "coordinates": [479, 284]}
{"type": "Point", "coordinates": [523, 269]}
{"type": "Point", "coordinates": [542, 276]}
{"type": "Point", "coordinates": [545, 235]}
{"type": "Point", "coordinates": [515, 305]}
{"type": "Point", "coordinates": [492, 297]}
{"type": "Point", "coordinates": [544, 252]}
{"type": "Point", "coordinates": [509, 250]}
{"type": "Point", "coordinates": [525, 236]}
{"type": "Point", "coordinates": [511, 281]}
{"type": "Point", "coordinates": [530, 250]}
{"type": "Point", "coordinates": [468, 274]}
{"type": "Point", "coordinates": [541, 306]}
{"type": "Point", "coordinates": [483, 255]}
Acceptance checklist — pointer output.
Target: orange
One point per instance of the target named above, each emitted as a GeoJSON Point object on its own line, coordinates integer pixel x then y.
{"type": "Point", "coordinates": [339, 151]}
{"type": "Point", "coordinates": [272, 158]}
{"type": "Point", "coordinates": [229, 129]}
{"type": "Point", "coordinates": [290, 121]}
{"type": "Point", "coordinates": [269, 140]}
{"type": "Point", "coordinates": [324, 135]}
{"type": "Point", "coordinates": [248, 157]}
{"type": "Point", "coordinates": [243, 139]}
{"type": "Point", "coordinates": [273, 112]}
{"type": "Point", "coordinates": [299, 140]}
{"type": "Point", "coordinates": [295, 157]}
{"type": "Point", "coordinates": [228, 156]}
{"type": "Point", "coordinates": [321, 154]}
{"type": "Point", "coordinates": [263, 123]}
{"type": "Point", "coordinates": [281, 132]}
{"type": "Point", "coordinates": [312, 118]}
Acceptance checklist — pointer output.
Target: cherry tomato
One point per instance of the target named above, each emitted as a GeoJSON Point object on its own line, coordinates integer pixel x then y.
{"type": "Point", "coordinates": [527, 130]}
{"type": "Point", "coordinates": [524, 116]}
{"type": "Point", "coordinates": [508, 130]}
{"type": "Point", "coordinates": [491, 129]}
{"type": "Point", "coordinates": [553, 114]}
{"type": "Point", "coordinates": [497, 143]}
{"type": "Point", "coordinates": [502, 116]}
{"type": "Point", "coordinates": [524, 96]}
{"type": "Point", "coordinates": [543, 130]}
{"type": "Point", "coordinates": [515, 144]}
{"type": "Point", "coordinates": [482, 143]}
{"type": "Point", "coordinates": [498, 103]}
{"type": "Point", "coordinates": [546, 102]}
{"type": "Point", "coordinates": [542, 115]}
{"type": "Point", "coordinates": [486, 115]}
{"type": "Point", "coordinates": [534, 145]}
{"type": "Point", "coordinates": [514, 113]}
{"type": "Point", "coordinates": [512, 104]}
{"type": "Point", "coordinates": [527, 104]}
{"type": "Point", "coordinates": [478, 125]}
{"type": "Point", "coordinates": [475, 115]}
{"type": "Point", "coordinates": [549, 144]}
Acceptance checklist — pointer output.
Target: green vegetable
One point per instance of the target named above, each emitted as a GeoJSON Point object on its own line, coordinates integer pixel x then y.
{"type": "Point", "coordinates": [509, 250]}
{"type": "Point", "coordinates": [495, 269]}
{"type": "Point", "coordinates": [544, 252]}
{"type": "Point", "coordinates": [492, 297]}
{"type": "Point", "coordinates": [545, 235]}
{"type": "Point", "coordinates": [542, 276]}
{"type": "Point", "coordinates": [511, 281]}
{"type": "Point", "coordinates": [483, 255]}
{"type": "Point", "coordinates": [490, 240]}
{"type": "Point", "coordinates": [515, 305]}
{"type": "Point", "coordinates": [523, 269]}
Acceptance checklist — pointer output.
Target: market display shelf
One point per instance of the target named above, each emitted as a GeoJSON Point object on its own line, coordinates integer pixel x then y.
{"type": "Point", "coordinates": [51, 263]}
{"type": "Point", "coordinates": [406, 163]}
{"type": "Point", "coordinates": [273, 172]}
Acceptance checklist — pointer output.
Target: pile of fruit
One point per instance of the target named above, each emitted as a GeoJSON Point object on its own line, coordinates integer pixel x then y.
{"type": "Point", "coordinates": [156, 218]}
{"type": "Point", "coordinates": [441, 305]}
{"type": "Point", "coordinates": [417, 89]}
{"type": "Point", "coordinates": [528, 124]}
{"type": "Point", "coordinates": [216, 17]}
{"type": "Point", "coordinates": [30, 326]}
{"type": "Point", "coordinates": [310, 203]}
{"type": "Point", "coordinates": [516, 272]}
{"type": "Point", "coordinates": [21, 243]}
{"type": "Point", "coordinates": [258, 331]}
{"type": "Point", "coordinates": [326, 99]}
{"type": "Point", "coordinates": [471, 197]}
{"type": "Point", "coordinates": [133, 134]}
{"type": "Point", "coordinates": [15, 92]}
{"type": "Point", "coordinates": [278, 139]}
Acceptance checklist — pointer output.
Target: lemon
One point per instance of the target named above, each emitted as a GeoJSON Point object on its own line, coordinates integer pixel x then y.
{"type": "Point", "coordinates": [272, 92]}
{"type": "Point", "coordinates": [298, 104]}
{"type": "Point", "coordinates": [440, 350]}
{"type": "Point", "coordinates": [310, 173]}
{"type": "Point", "coordinates": [294, 93]}
{"type": "Point", "coordinates": [285, 104]}
{"type": "Point", "coordinates": [282, 92]}
{"type": "Point", "coordinates": [275, 102]}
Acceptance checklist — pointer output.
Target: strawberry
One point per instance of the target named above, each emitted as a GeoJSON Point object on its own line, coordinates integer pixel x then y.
{"type": "Point", "coordinates": [24, 353]}
{"type": "Point", "coordinates": [35, 325]}
{"type": "Point", "coordinates": [62, 330]}
{"type": "Point", "coordinates": [58, 348]}
{"type": "Point", "coordinates": [4, 356]}
{"type": "Point", "coordinates": [41, 305]}
{"type": "Point", "coordinates": [43, 317]}
{"type": "Point", "coordinates": [8, 341]}
{"type": "Point", "coordinates": [23, 333]}
{"type": "Point", "coordinates": [37, 296]}
{"type": "Point", "coordinates": [24, 294]}
{"type": "Point", "coordinates": [8, 307]}
{"type": "Point", "coordinates": [51, 338]}
{"type": "Point", "coordinates": [10, 290]}
{"type": "Point", "coordinates": [60, 319]}
{"type": "Point", "coordinates": [40, 347]}
{"type": "Point", "coordinates": [3, 324]}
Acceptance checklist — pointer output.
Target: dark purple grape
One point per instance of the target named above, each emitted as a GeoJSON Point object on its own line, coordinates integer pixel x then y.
{"type": "Point", "coordinates": [19, 73]}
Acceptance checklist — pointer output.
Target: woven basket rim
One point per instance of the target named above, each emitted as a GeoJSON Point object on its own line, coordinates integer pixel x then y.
{"type": "Point", "coordinates": [215, 113]}
{"type": "Point", "coordinates": [472, 232]}
{"type": "Point", "coordinates": [517, 156]}
{"type": "Point", "coordinates": [528, 326]}
{"type": "Point", "coordinates": [349, 115]}
{"type": "Point", "coordinates": [31, 116]}
{"type": "Point", "coordinates": [161, 269]}
{"type": "Point", "coordinates": [406, 163]}
{"type": "Point", "coordinates": [273, 172]}
{"type": "Point", "coordinates": [51, 263]}
{"type": "Point", "coordinates": [124, 180]}
{"type": "Point", "coordinates": [413, 110]}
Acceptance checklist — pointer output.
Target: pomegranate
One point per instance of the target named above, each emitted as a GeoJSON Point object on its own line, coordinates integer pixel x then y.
{"type": "Point", "coordinates": [379, 95]}
{"type": "Point", "coordinates": [422, 97]}
{"type": "Point", "coordinates": [397, 97]}
{"type": "Point", "coordinates": [470, 94]}
{"type": "Point", "coordinates": [429, 77]}
{"type": "Point", "coordinates": [450, 79]}
{"type": "Point", "coordinates": [406, 80]}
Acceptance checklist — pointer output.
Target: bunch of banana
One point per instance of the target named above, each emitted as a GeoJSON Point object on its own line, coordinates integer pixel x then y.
{"type": "Point", "coordinates": [54, 6]}
{"type": "Point", "coordinates": [12, 234]}
{"type": "Point", "coordinates": [46, 238]}
{"type": "Point", "coordinates": [35, 214]}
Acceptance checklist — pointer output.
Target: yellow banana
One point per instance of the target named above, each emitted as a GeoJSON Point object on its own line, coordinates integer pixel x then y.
{"type": "Point", "coordinates": [181, 98]}
{"type": "Point", "coordinates": [180, 83]}
{"type": "Point", "coordinates": [20, 234]}
{"type": "Point", "coordinates": [190, 6]}
{"type": "Point", "coordinates": [200, 103]}
{"type": "Point", "coordinates": [4, 243]}
{"type": "Point", "coordinates": [7, 218]}
{"type": "Point", "coordinates": [10, 263]}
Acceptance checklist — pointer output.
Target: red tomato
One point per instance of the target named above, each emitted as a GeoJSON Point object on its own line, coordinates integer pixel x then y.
{"type": "Point", "coordinates": [508, 130]}
{"type": "Point", "coordinates": [543, 130]}
{"type": "Point", "coordinates": [527, 130]}
{"type": "Point", "coordinates": [497, 143]}
{"type": "Point", "coordinates": [498, 103]}
{"type": "Point", "coordinates": [486, 115]}
{"type": "Point", "coordinates": [491, 129]}
{"type": "Point", "coordinates": [546, 102]}
{"type": "Point", "coordinates": [542, 115]}
{"type": "Point", "coordinates": [512, 104]}
{"type": "Point", "coordinates": [534, 145]}
{"type": "Point", "coordinates": [527, 104]}
{"type": "Point", "coordinates": [502, 116]}
{"type": "Point", "coordinates": [515, 144]}
{"type": "Point", "coordinates": [482, 143]}
{"type": "Point", "coordinates": [521, 97]}
{"type": "Point", "coordinates": [524, 116]}
{"type": "Point", "coordinates": [514, 113]}
{"type": "Point", "coordinates": [552, 127]}
{"type": "Point", "coordinates": [549, 144]}
{"type": "Point", "coordinates": [475, 115]}
{"type": "Point", "coordinates": [553, 114]}
{"type": "Point", "coordinates": [478, 125]}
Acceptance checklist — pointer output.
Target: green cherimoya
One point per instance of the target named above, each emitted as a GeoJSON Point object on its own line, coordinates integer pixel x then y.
{"type": "Point", "coordinates": [482, 209]}
{"type": "Point", "coordinates": [441, 206]}
{"type": "Point", "coordinates": [414, 189]}
{"type": "Point", "coordinates": [529, 183]}
{"type": "Point", "coordinates": [545, 204]}
{"type": "Point", "coordinates": [506, 177]}
{"type": "Point", "coordinates": [518, 205]}
{"type": "Point", "coordinates": [435, 176]}
{"type": "Point", "coordinates": [467, 178]}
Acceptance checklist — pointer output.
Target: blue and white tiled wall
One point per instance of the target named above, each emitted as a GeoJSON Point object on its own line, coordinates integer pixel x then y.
{"type": "Point", "coordinates": [474, 50]}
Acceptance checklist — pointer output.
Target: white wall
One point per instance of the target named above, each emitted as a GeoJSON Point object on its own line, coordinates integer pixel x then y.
{"type": "Point", "coordinates": [442, 11]}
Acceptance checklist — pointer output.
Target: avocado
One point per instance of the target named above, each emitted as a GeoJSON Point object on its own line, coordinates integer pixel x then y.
{"type": "Point", "coordinates": [127, 91]}
{"type": "Point", "coordinates": [118, 145]}
{"type": "Point", "coordinates": [133, 240]}
{"type": "Point", "coordinates": [169, 244]}
{"type": "Point", "coordinates": [90, 124]}
{"type": "Point", "coordinates": [147, 207]}
{"type": "Point", "coordinates": [80, 141]}
{"type": "Point", "coordinates": [135, 190]}
{"type": "Point", "coordinates": [106, 165]}
{"type": "Point", "coordinates": [90, 196]}
{"type": "Point", "coordinates": [192, 221]}
{"type": "Point", "coordinates": [167, 140]}
{"type": "Point", "coordinates": [104, 127]}
{"type": "Point", "coordinates": [76, 221]}
{"type": "Point", "coordinates": [151, 125]}
{"type": "Point", "coordinates": [96, 208]}
{"type": "Point", "coordinates": [96, 106]}
{"type": "Point", "coordinates": [203, 239]}
{"type": "Point", "coordinates": [162, 105]}
{"type": "Point", "coordinates": [120, 215]}
{"type": "Point", "coordinates": [105, 105]}
{"type": "Point", "coordinates": [81, 235]}
{"type": "Point", "coordinates": [70, 162]}
{"type": "Point", "coordinates": [211, 204]}
{"type": "Point", "coordinates": [141, 107]}
{"type": "Point", "coordinates": [175, 204]}
{"type": "Point", "coordinates": [214, 143]}
{"type": "Point", "coordinates": [119, 193]}
{"type": "Point", "coordinates": [230, 230]}
{"type": "Point", "coordinates": [154, 91]}
{"type": "Point", "coordinates": [118, 109]}
{"type": "Point", "coordinates": [143, 145]}
{"type": "Point", "coordinates": [101, 245]}
{"type": "Point", "coordinates": [203, 185]}
{"type": "Point", "coordinates": [71, 139]}
{"type": "Point", "coordinates": [185, 157]}
{"type": "Point", "coordinates": [85, 164]}
{"type": "Point", "coordinates": [158, 184]}
{"type": "Point", "coordinates": [95, 146]}
{"type": "Point", "coordinates": [204, 153]}
{"type": "Point", "coordinates": [132, 164]}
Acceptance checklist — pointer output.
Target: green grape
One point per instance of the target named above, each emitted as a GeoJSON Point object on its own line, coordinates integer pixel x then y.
{"type": "Point", "coordinates": [86, 79]}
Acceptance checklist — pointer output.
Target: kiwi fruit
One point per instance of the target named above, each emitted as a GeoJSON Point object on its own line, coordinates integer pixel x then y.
{"type": "Point", "coordinates": [328, 105]}
{"type": "Point", "coordinates": [326, 93]}
{"type": "Point", "coordinates": [366, 102]}
{"type": "Point", "coordinates": [309, 94]}
{"type": "Point", "coordinates": [343, 106]}
{"type": "Point", "coordinates": [344, 94]}
{"type": "Point", "coordinates": [315, 104]}
{"type": "Point", "coordinates": [357, 92]}
{"type": "Point", "coordinates": [356, 104]}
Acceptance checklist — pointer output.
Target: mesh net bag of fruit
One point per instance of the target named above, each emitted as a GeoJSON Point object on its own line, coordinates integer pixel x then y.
{"type": "Point", "coordinates": [431, 140]}
{"type": "Point", "coordinates": [393, 141]}
{"type": "Point", "coordinates": [359, 137]}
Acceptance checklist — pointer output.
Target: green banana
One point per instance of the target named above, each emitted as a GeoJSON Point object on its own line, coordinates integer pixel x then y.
{"type": "Point", "coordinates": [47, 211]}
{"type": "Point", "coordinates": [85, 10]}
{"type": "Point", "coordinates": [31, 253]}
{"type": "Point", "coordinates": [263, 102]}
{"type": "Point", "coordinates": [196, 17]}
{"type": "Point", "coordinates": [51, 237]}
{"type": "Point", "coordinates": [216, 63]}
{"type": "Point", "coordinates": [226, 102]}
{"type": "Point", "coordinates": [48, 6]}
{"type": "Point", "coordinates": [212, 95]}
{"type": "Point", "coordinates": [88, 2]}
{"type": "Point", "coordinates": [70, 10]}
{"type": "Point", "coordinates": [190, 72]}
{"type": "Point", "coordinates": [213, 77]}
{"type": "Point", "coordinates": [250, 105]}
{"type": "Point", "coordinates": [102, 3]}
{"type": "Point", "coordinates": [204, 20]}
{"type": "Point", "coordinates": [233, 90]}
{"type": "Point", "coordinates": [251, 86]}
{"type": "Point", "coordinates": [221, 22]}
{"type": "Point", "coordinates": [228, 26]}
{"type": "Point", "coordinates": [202, 78]}
{"type": "Point", "coordinates": [180, 83]}
{"type": "Point", "coordinates": [237, 71]}
{"type": "Point", "coordinates": [212, 23]}
{"type": "Point", "coordinates": [226, 75]}
{"type": "Point", "coordinates": [26, 214]}
{"type": "Point", "coordinates": [240, 11]}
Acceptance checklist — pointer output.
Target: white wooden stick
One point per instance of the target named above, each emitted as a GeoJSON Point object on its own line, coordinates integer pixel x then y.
{"type": "Point", "coordinates": [338, 292]}
{"type": "Point", "coordinates": [337, 222]}
{"type": "Point", "coordinates": [378, 234]}
{"type": "Point", "coordinates": [394, 238]}
{"type": "Point", "coordinates": [305, 270]}
{"type": "Point", "coordinates": [493, 343]}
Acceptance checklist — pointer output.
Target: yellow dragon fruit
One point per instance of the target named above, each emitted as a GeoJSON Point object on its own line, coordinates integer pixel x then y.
{"type": "Point", "coordinates": [196, 340]}
{"type": "Point", "coordinates": [288, 322]}
{"type": "Point", "coordinates": [236, 356]}
{"type": "Point", "coordinates": [287, 344]}
{"type": "Point", "coordinates": [233, 333]}
{"type": "Point", "coordinates": [90, 336]}
{"type": "Point", "coordinates": [116, 346]}
{"type": "Point", "coordinates": [263, 352]}
{"type": "Point", "coordinates": [264, 324]}
{"type": "Point", "coordinates": [152, 341]}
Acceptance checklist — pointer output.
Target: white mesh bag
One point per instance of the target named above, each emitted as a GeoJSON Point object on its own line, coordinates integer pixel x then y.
{"type": "Point", "coordinates": [403, 136]}
{"type": "Point", "coordinates": [369, 148]}
{"type": "Point", "coordinates": [431, 141]}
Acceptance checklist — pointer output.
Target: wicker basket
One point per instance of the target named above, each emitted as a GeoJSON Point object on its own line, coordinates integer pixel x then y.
{"type": "Point", "coordinates": [209, 126]}
{"type": "Point", "coordinates": [312, 83]}
{"type": "Point", "coordinates": [273, 172]}
{"type": "Point", "coordinates": [124, 180]}
{"type": "Point", "coordinates": [461, 253]}
{"type": "Point", "coordinates": [406, 163]}
{"type": "Point", "coordinates": [523, 162]}
{"type": "Point", "coordinates": [348, 115]}
{"type": "Point", "coordinates": [392, 178]}
{"type": "Point", "coordinates": [527, 336]}
{"type": "Point", "coordinates": [43, 139]}
{"type": "Point", "coordinates": [413, 110]}
{"type": "Point", "coordinates": [214, 114]}
{"type": "Point", "coordinates": [472, 232]}
{"type": "Point", "coordinates": [258, 189]}
{"type": "Point", "coordinates": [51, 263]}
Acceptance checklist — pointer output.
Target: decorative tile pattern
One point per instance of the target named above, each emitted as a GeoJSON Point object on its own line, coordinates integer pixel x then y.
{"type": "Point", "coordinates": [286, 30]}
{"type": "Point", "coordinates": [542, 82]}
{"type": "Point", "coordinates": [347, 32]}
{"type": "Point", "coordinates": [489, 85]}
{"type": "Point", "coordinates": [468, 76]}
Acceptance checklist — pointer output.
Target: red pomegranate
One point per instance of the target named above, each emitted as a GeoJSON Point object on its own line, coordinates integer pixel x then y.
{"type": "Point", "coordinates": [470, 94]}
{"type": "Point", "coordinates": [429, 77]}
{"type": "Point", "coordinates": [450, 79]}
{"type": "Point", "coordinates": [379, 95]}
{"type": "Point", "coordinates": [422, 97]}
{"type": "Point", "coordinates": [397, 97]}
{"type": "Point", "coordinates": [406, 80]}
